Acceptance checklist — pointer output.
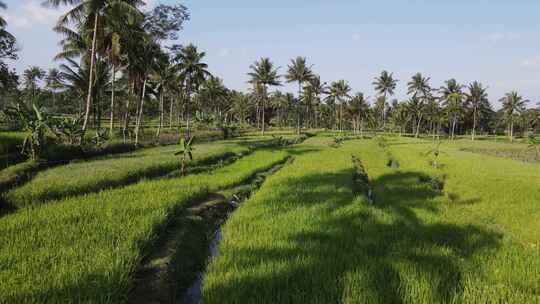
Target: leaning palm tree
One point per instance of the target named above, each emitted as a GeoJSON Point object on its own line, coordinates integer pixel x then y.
{"type": "Point", "coordinates": [299, 71]}
{"type": "Point", "coordinates": [385, 85]}
{"type": "Point", "coordinates": [476, 96]}
{"type": "Point", "coordinates": [193, 72]}
{"type": "Point", "coordinates": [88, 14]}
{"type": "Point", "coordinates": [339, 90]}
{"type": "Point", "coordinates": [513, 104]}
{"type": "Point", "coordinates": [264, 74]}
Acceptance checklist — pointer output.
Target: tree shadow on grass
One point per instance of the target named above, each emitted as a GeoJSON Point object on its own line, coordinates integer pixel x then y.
{"type": "Point", "coordinates": [393, 252]}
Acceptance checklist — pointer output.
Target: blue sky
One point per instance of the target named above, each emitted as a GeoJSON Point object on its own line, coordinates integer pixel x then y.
{"type": "Point", "coordinates": [493, 41]}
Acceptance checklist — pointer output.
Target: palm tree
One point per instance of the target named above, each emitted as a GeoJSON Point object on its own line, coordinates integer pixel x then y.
{"type": "Point", "coordinates": [513, 104]}
{"type": "Point", "coordinates": [385, 85]}
{"type": "Point", "coordinates": [264, 74]}
{"type": "Point", "coordinates": [476, 96]}
{"type": "Point", "coordinates": [53, 81]}
{"type": "Point", "coordinates": [87, 13]}
{"type": "Point", "coordinates": [165, 76]}
{"type": "Point", "coordinates": [8, 45]}
{"type": "Point", "coordinates": [299, 71]}
{"type": "Point", "coordinates": [420, 90]}
{"type": "Point", "coordinates": [31, 76]}
{"type": "Point", "coordinates": [338, 91]}
{"type": "Point", "coordinates": [452, 97]}
{"type": "Point", "coordinates": [358, 109]}
{"type": "Point", "coordinates": [318, 88]}
{"type": "Point", "coordinates": [193, 72]}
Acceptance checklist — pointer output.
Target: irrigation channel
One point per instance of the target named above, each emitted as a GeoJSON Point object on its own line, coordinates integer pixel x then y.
{"type": "Point", "coordinates": [173, 272]}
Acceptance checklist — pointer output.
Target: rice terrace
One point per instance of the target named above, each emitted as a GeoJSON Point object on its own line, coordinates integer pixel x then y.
{"type": "Point", "coordinates": [269, 152]}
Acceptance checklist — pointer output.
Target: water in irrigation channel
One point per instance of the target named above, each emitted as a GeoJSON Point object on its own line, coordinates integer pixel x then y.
{"type": "Point", "coordinates": [193, 294]}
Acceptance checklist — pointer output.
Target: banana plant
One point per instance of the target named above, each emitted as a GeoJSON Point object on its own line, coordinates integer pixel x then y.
{"type": "Point", "coordinates": [185, 152]}
{"type": "Point", "coordinates": [35, 123]}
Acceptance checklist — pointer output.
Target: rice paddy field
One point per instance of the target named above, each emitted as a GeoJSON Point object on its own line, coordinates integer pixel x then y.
{"type": "Point", "coordinates": [460, 227]}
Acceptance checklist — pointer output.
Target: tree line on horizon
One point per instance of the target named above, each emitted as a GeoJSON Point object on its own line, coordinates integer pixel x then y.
{"type": "Point", "coordinates": [122, 66]}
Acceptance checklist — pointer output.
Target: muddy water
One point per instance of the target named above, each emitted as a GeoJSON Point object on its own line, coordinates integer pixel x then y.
{"type": "Point", "coordinates": [194, 292]}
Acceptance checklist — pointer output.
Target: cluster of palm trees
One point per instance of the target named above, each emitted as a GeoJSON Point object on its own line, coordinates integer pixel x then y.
{"type": "Point", "coordinates": [113, 49]}
{"type": "Point", "coordinates": [118, 60]}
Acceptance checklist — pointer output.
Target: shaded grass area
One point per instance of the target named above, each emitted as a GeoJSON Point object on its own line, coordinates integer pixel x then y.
{"type": "Point", "coordinates": [86, 249]}
{"type": "Point", "coordinates": [305, 238]}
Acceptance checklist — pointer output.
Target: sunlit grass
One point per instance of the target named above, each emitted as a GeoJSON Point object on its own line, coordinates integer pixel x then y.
{"type": "Point", "coordinates": [85, 249]}
{"type": "Point", "coordinates": [115, 170]}
{"type": "Point", "coordinates": [304, 237]}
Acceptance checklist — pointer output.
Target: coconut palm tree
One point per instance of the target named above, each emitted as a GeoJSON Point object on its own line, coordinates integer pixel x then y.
{"type": "Point", "coordinates": [318, 88]}
{"type": "Point", "coordinates": [476, 96]}
{"type": "Point", "coordinates": [452, 97]}
{"type": "Point", "coordinates": [385, 85]}
{"type": "Point", "coordinates": [299, 71]}
{"type": "Point", "coordinates": [421, 93]}
{"type": "Point", "coordinates": [339, 90]}
{"type": "Point", "coordinates": [53, 82]}
{"type": "Point", "coordinates": [358, 109]}
{"type": "Point", "coordinates": [193, 72]}
{"type": "Point", "coordinates": [8, 43]}
{"type": "Point", "coordinates": [513, 104]}
{"type": "Point", "coordinates": [264, 73]}
{"type": "Point", "coordinates": [88, 14]}
{"type": "Point", "coordinates": [31, 76]}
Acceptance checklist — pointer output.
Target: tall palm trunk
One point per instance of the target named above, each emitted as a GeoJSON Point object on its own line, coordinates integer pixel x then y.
{"type": "Point", "coordinates": [299, 108]}
{"type": "Point", "coordinates": [511, 130]}
{"type": "Point", "coordinates": [263, 110]}
{"type": "Point", "coordinates": [111, 123]}
{"type": "Point", "coordinates": [126, 114]}
{"type": "Point", "coordinates": [187, 113]}
{"type": "Point", "coordinates": [91, 77]}
{"type": "Point", "coordinates": [171, 108]}
{"type": "Point", "coordinates": [473, 134]}
{"type": "Point", "coordinates": [161, 114]}
{"type": "Point", "coordinates": [418, 126]}
{"type": "Point", "coordinates": [139, 116]}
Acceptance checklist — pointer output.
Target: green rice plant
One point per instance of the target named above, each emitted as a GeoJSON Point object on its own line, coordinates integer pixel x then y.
{"type": "Point", "coordinates": [304, 238]}
{"type": "Point", "coordinates": [86, 249]}
{"type": "Point", "coordinates": [90, 176]}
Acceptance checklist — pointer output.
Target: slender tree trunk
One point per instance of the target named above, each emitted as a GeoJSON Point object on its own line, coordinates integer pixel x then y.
{"type": "Point", "coordinates": [171, 108]}
{"type": "Point", "coordinates": [299, 108]}
{"type": "Point", "coordinates": [263, 110]}
{"type": "Point", "coordinates": [473, 134]}
{"type": "Point", "coordinates": [140, 114]}
{"type": "Point", "coordinates": [125, 129]}
{"type": "Point", "coordinates": [90, 78]}
{"type": "Point", "coordinates": [418, 126]}
{"type": "Point", "coordinates": [188, 114]}
{"type": "Point", "coordinates": [161, 113]}
{"type": "Point", "coordinates": [111, 123]}
{"type": "Point", "coordinates": [511, 130]}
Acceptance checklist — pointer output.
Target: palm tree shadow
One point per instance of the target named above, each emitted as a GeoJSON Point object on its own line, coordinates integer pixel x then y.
{"type": "Point", "coordinates": [351, 250]}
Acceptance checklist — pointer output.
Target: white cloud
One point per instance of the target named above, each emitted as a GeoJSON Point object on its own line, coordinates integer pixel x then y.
{"type": "Point", "coordinates": [149, 4]}
{"type": "Point", "coordinates": [500, 37]}
{"type": "Point", "coordinates": [224, 52]}
{"type": "Point", "coordinates": [532, 62]}
{"type": "Point", "coordinates": [32, 13]}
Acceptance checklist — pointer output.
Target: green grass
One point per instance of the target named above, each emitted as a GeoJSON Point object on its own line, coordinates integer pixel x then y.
{"type": "Point", "coordinates": [85, 249]}
{"type": "Point", "coordinates": [304, 237]}
{"type": "Point", "coordinates": [90, 176]}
